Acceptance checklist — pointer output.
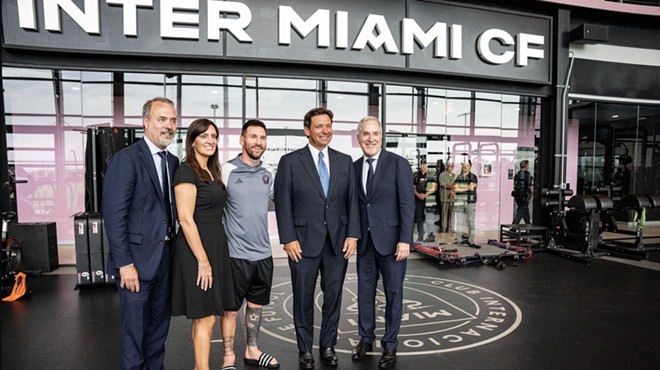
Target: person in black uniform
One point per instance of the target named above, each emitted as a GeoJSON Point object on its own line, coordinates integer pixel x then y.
{"type": "Point", "coordinates": [201, 275]}
{"type": "Point", "coordinates": [420, 182]}
{"type": "Point", "coordinates": [522, 192]}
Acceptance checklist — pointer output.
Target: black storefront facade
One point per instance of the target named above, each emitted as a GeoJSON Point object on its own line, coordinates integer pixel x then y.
{"type": "Point", "coordinates": [449, 80]}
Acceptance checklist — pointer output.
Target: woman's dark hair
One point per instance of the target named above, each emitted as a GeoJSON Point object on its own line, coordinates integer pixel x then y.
{"type": "Point", "coordinates": [196, 128]}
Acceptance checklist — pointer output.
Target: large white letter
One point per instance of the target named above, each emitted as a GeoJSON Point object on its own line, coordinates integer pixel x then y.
{"type": "Point", "coordinates": [235, 26]}
{"type": "Point", "coordinates": [290, 19]}
{"type": "Point", "coordinates": [456, 47]}
{"type": "Point", "coordinates": [483, 46]}
{"type": "Point", "coordinates": [27, 17]}
{"type": "Point", "coordinates": [341, 30]}
{"type": "Point", "coordinates": [130, 13]}
{"type": "Point", "coordinates": [412, 32]}
{"type": "Point", "coordinates": [523, 52]}
{"type": "Point", "coordinates": [376, 22]}
{"type": "Point", "coordinates": [87, 20]}
{"type": "Point", "coordinates": [168, 19]}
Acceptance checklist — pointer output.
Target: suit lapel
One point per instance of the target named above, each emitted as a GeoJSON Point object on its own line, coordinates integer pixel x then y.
{"type": "Point", "coordinates": [310, 167]}
{"type": "Point", "coordinates": [148, 164]}
{"type": "Point", "coordinates": [359, 167]}
{"type": "Point", "coordinates": [381, 168]}
{"type": "Point", "coordinates": [332, 159]}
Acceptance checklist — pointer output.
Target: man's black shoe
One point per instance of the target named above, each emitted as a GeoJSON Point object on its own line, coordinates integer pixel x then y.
{"type": "Point", "coordinates": [328, 356]}
{"type": "Point", "coordinates": [306, 360]}
{"type": "Point", "coordinates": [476, 246]}
{"type": "Point", "coordinates": [361, 350]}
{"type": "Point", "coordinates": [387, 359]}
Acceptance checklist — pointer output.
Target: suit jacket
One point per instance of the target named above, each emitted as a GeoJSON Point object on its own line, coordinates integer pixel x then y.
{"type": "Point", "coordinates": [134, 210]}
{"type": "Point", "coordinates": [302, 211]}
{"type": "Point", "coordinates": [389, 211]}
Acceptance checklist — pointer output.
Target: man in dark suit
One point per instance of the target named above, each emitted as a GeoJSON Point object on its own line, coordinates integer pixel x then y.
{"type": "Point", "coordinates": [316, 204]}
{"type": "Point", "coordinates": [387, 211]}
{"type": "Point", "coordinates": [138, 210]}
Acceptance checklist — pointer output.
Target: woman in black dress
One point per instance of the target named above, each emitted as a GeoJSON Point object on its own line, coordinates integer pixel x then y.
{"type": "Point", "coordinates": [201, 276]}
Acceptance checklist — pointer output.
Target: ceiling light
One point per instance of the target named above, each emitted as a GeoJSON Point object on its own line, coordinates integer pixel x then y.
{"type": "Point", "coordinates": [615, 116]}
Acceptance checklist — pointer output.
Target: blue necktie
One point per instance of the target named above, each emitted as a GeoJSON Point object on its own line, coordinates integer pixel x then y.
{"type": "Point", "coordinates": [323, 174]}
{"type": "Point", "coordinates": [166, 193]}
{"type": "Point", "coordinates": [370, 175]}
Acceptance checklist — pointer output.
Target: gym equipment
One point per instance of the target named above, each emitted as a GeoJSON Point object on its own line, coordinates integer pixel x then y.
{"type": "Point", "coordinates": [555, 199]}
{"type": "Point", "coordinates": [637, 203]}
{"type": "Point", "coordinates": [463, 255]}
{"type": "Point", "coordinates": [38, 246]}
{"type": "Point", "coordinates": [91, 250]}
{"type": "Point", "coordinates": [577, 230]}
{"type": "Point", "coordinates": [10, 256]}
{"type": "Point", "coordinates": [524, 235]}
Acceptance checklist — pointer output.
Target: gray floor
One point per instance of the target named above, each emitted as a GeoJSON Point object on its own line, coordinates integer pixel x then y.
{"type": "Point", "coordinates": [571, 316]}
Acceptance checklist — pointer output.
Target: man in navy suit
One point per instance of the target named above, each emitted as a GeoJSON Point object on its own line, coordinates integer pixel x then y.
{"type": "Point", "coordinates": [316, 204]}
{"type": "Point", "coordinates": [387, 210]}
{"type": "Point", "coordinates": [138, 209]}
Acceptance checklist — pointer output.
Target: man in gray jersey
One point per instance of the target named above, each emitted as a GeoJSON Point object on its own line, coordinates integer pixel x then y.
{"type": "Point", "coordinates": [249, 188]}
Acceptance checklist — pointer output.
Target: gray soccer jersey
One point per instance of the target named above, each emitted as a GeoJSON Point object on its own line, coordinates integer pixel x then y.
{"type": "Point", "coordinates": [249, 190]}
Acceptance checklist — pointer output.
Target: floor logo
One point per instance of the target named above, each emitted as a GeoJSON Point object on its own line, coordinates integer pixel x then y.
{"type": "Point", "coordinates": [439, 315]}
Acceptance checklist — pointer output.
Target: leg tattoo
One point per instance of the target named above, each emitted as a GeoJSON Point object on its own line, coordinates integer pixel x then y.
{"type": "Point", "coordinates": [252, 323]}
{"type": "Point", "coordinates": [228, 346]}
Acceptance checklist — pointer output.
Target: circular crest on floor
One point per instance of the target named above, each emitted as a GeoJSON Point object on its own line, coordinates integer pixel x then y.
{"type": "Point", "coordinates": [439, 315]}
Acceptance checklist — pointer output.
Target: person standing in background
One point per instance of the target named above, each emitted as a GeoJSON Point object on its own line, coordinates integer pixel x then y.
{"type": "Point", "coordinates": [522, 190]}
{"type": "Point", "coordinates": [439, 170]}
{"type": "Point", "coordinates": [387, 211]}
{"type": "Point", "coordinates": [465, 190]}
{"type": "Point", "coordinates": [318, 217]}
{"type": "Point", "coordinates": [250, 188]}
{"type": "Point", "coordinates": [446, 185]}
{"type": "Point", "coordinates": [420, 184]}
{"type": "Point", "coordinates": [138, 212]}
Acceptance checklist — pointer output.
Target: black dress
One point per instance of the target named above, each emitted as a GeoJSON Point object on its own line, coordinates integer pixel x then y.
{"type": "Point", "coordinates": [188, 298]}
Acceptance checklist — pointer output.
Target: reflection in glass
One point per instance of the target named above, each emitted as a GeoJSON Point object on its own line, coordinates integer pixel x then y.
{"type": "Point", "coordinates": [29, 97]}
{"type": "Point", "coordinates": [437, 123]}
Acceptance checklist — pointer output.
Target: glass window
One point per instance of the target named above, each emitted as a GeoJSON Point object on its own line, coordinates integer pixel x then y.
{"type": "Point", "coordinates": [454, 126]}
{"type": "Point", "coordinates": [140, 87]}
{"type": "Point", "coordinates": [279, 102]}
{"type": "Point", "coordinates": [612, 149]}
{"type": "Point", "coordinates": [34, 97]}
{"type": "Point", "coordinates": [400, 108]}
{"type": "Point", "coordinates": [495, 131]}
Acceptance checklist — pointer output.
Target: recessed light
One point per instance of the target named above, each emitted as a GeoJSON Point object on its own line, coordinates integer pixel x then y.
{"type": "Point", "coordinates": [615, 116]}
{"type": "Point", "coordinates": [75, 88]}
{"type": "Point", "coordinates": [214, 92]}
